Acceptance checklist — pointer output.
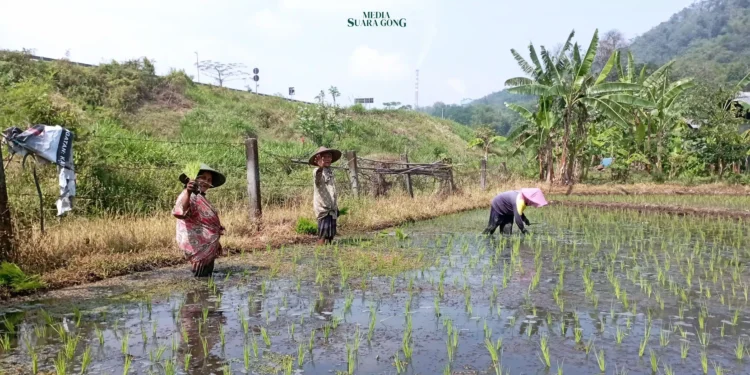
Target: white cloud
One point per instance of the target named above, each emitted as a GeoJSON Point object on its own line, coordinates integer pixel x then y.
{"type": "Point", "coordinates": [457, 85]}
{"type": "Point", "coordinates": [274, 24]}
{"type": "Point", "coordinates": [366, 62]}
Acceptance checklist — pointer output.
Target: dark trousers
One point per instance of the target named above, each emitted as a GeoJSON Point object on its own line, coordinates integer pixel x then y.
{"type": "Point", "coordinates": [327, 228]}
{"type": "Point", "coordinates": [498, 220]}
{"type": "Point", "coordinates": [204, 269]}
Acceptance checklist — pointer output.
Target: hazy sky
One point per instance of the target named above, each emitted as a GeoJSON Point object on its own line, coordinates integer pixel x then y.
{"type": "Point", "coordinates": [461, 48]}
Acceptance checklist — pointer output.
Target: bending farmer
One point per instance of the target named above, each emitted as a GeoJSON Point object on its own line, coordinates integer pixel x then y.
{"type": "Point", "coordinates": [325, 203]}
{"type": "Point", "coordinates": [198, 225]}
{"type": "Point", "coordinates": [509, 206]}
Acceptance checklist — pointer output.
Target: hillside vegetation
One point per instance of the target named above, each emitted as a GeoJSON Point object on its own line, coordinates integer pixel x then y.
{"type": "Point", "coordinates": [135, 131]}
{"type": "Point", "coordinates": [710, 40]}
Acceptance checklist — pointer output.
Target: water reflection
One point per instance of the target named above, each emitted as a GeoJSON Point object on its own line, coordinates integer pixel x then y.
{"type": "Point", "coordinates": [200, 330]}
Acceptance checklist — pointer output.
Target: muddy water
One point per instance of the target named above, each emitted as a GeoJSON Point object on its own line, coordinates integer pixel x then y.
{"type": "Point", "coordinates": [153, 322]}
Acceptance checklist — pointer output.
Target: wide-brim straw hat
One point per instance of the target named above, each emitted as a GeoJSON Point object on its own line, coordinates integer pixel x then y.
{"type": "Point", "coordinates": [335, 153]}
{"type": "Point", "coordinates": [218, 178]}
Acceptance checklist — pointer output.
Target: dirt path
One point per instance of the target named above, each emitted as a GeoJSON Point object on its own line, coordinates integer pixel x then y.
{"type": "Point", "coordinates": [675, 210]}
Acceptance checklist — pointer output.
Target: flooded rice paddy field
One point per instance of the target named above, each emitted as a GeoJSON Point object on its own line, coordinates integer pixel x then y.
{"type": "Point", "coordinates": [731, 202]}
{"type": "Point", "coordinates": [589, 291]}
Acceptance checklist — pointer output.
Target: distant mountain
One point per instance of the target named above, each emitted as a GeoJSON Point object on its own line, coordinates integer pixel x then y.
{"type": "Point", "coordinates": [710, 41]}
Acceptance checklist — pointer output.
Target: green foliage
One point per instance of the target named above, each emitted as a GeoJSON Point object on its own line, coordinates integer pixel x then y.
{"type": "Point", "coordinates": [358, 108]}
{"type": "Point", "coordinates": [321, 123]}
{"type": "Point", "coordinates": [12, 276]}
{"type": "Point", "coordinates": [710, 40]}
{"type": "Point", "coordinates": [306, 226]}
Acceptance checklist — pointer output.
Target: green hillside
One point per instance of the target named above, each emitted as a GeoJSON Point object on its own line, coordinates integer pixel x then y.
{"type": "Point", "coordinates": [487, 111]}
{"type": "Point", "coordinates": [710, 40]}
{"type": "Point", "coordinates": [135, 131]}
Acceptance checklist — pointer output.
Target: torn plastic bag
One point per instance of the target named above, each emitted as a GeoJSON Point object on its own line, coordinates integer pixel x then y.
{"type": "Point", "coordinates": [51, 143]}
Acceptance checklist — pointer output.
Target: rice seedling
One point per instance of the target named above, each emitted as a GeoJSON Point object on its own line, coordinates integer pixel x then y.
{"type": "Point", "coordinates": [60, 364]}
{"type": "Point", "coordinates": [704, 362]}
{"type": "Point", "coordinates": [739, 349]}
{"type": "Point", "coordinates": [204, 345]}
{"type": "Point", "coordinates": [126, 366]}
{"type": "Point", "coordinates": [589, 345]}
{"type": "Point", "coordinates": [493, 355]}
{"type": "Point", "coordinates": [601, 361]}
{"type": "Point", "coordinates": [684, 347]}
{"type": "Point", "coordinates": [124, 342]}
{"type": "Point", "coordinates": [300, 355]}
{"type": "Point", "coordinates": [544, 347]}
{"type": "Point", "coordinates": [85, 360]}
{"type": "Point", "coordinates": [654, 362]}
{"type": "Point", "coordinates": [664, 338]}
{"type": "Point", "coordinates": [187, 361]}
{"type": "Point", "coordinates": [266, 338]}
{"type": "Point", "coordinates": [578, 333]}
{"type": "Point", "coordinates": [400, 366]}
{"type": "Point", "coordinates": [5, 342]}
{"type": "Point", "coordinates": [619, 335]}
{"type": "Point", "coordinates": [668, 369]}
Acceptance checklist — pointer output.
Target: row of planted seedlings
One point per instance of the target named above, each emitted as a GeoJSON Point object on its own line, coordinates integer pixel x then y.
{"type": "Point", "coordinates": [643, 267]}
{"type": "Point", "coordinates": [732, 202]}
{"type": "Point", "coordinates": [686, 276]}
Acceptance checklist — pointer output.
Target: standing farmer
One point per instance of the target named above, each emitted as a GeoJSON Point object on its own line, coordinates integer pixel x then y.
{"type": "Point", "coordinates": [325, 203]}
{"type": "Point", "coordinates": [198, 225]}
{"type": "Point", "coordinates": [509, 206]}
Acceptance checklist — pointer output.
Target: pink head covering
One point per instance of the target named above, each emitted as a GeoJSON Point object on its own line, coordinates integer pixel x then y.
{"type": "Point", "coordinates": [534, 197]}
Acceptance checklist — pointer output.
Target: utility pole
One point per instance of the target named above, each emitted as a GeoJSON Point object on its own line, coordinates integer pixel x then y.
{"type": "Point", "coordinates": [197, 68]}
{"type": "Point", "coordinates": [416, 92]}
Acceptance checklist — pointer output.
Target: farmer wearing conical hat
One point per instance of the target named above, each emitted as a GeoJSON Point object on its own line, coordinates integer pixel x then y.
{"type": "Point", "coordinates": [198, 225]}
{"type": "Point", "coordinates": [509, 206]}
{"type": "Point", "coordinates": [325, 204]}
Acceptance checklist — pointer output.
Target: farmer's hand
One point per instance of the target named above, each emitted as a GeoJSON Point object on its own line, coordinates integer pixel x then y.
{"type": "Point", "coordinates": [192, 186]}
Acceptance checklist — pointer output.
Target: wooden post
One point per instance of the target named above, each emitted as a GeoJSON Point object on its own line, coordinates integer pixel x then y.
{"type": "Point", "coordinates": [351, 157]}
{"type": "Point", "coordinates": [253, 180]}
{"type": "Point", "coordinates": [483, 175]}
{"type": "Point", "coordinates": [407, 176]}
{"type": "Point", "coordinates": [6, 226]}
{"type": "Point", "coordinates": [451, 186]}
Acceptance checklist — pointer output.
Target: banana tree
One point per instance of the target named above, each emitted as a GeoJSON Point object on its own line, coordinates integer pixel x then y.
{"type": "Point", "coordinates": [536, 132]}
{"type": "Point", "coordinates": [569, 83]}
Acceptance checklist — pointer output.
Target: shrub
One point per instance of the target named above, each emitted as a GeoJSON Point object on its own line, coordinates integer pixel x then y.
{"type": "Point", "coordinates": [306, 226]}
{"type": "Point", "coordinates": [358, 108]}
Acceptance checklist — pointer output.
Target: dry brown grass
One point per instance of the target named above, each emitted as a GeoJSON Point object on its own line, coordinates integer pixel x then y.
{"type": "Point", "coordinates": [86, 250]}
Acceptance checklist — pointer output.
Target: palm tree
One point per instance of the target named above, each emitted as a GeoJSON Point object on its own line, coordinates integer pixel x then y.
{"type": "Point", "coordinates": [334, 91]}
{"type": "Point", "coordinates": [321, 97]}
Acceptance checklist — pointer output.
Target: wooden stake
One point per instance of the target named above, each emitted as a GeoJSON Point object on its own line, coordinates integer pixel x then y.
{"type": "Point", "coordinates": [253, 181]}
{"type": "Point", "coordinates": [351, 157]}
{"type": "Point", "coordinates": [407, 176]}
{"type": "Point", "coordinates": [483, 174]}
{"type": "Point", "coordinates": [6, 225]}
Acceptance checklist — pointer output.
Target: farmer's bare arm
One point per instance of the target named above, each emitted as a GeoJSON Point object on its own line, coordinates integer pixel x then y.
{"type": "Point", "coordinates": [184, 201]}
